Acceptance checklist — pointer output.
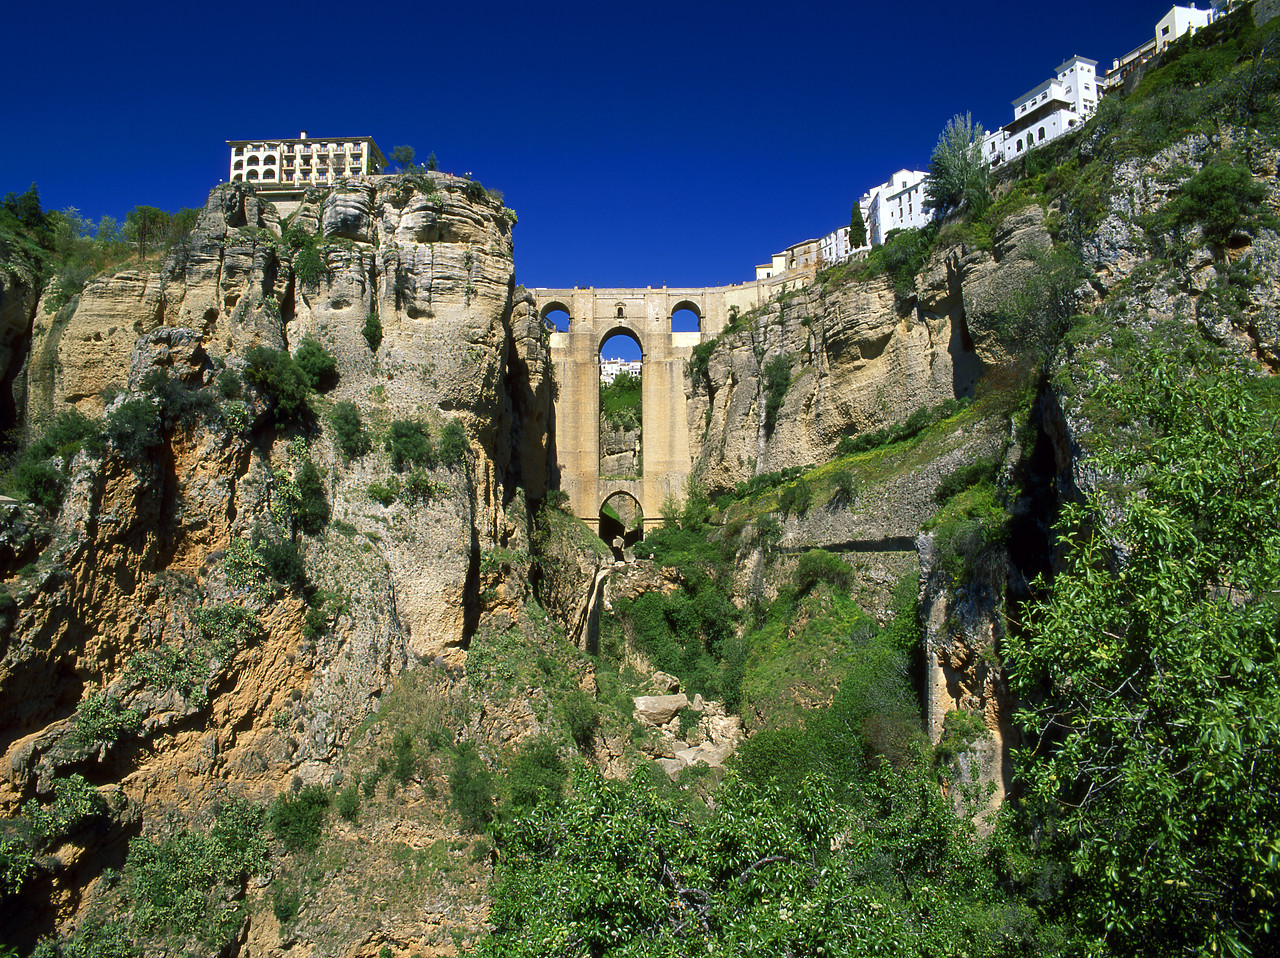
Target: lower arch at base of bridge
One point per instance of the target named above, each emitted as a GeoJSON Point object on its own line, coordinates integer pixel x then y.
{"type": "Point", "coordinates": [637, 503]}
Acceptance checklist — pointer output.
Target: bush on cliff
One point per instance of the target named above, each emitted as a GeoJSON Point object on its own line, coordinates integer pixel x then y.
{"type": "Point", "coordinates": [410, 444]}
{"type": "Point", "coordinates": [280, 381]}
{"type": "Point", "coordinates": [317, 364]}
{"type": "Point", "coordinates": [349, 433]}
{"type": "Point", "coordinates": [38, 475]}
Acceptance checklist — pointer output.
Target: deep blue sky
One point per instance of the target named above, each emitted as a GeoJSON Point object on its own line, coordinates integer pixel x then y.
{"type": "Point", "coordinates": [641, 144]}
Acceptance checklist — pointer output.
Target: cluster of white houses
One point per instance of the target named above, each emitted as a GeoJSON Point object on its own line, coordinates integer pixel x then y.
{"type": "Point", "coordinates": [611, 369]}
{"type": "Point", "coordinates": [1054, 107]}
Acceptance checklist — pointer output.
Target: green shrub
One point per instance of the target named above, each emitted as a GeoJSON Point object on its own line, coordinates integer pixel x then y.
{"type": "Point", "coordinates": [405, 760]}
{"type": "Point", "coordinates": [179, 404]}
{"type": "Point", "coordinates": [581, 716]}
{"type": "Point", "coordinates": [818, 566]}
{"type": "Point", "coordinates": [964, 477]}
{"type": "Point", "coordinates": [280, 381]}
{"type": "Point", "coordinates": [777, 379]}
{"type": "Point", "coordinates": [537, 776]}
{"type": "Point", "coordinates": [372, 331]}
{"type": "Point", "coordinates": [471, 787]}
{"type": "Point", "coordinates": [181, 885]}
{"type": "Point", "coordinates": [102, 720]}
{"type": "Point", "coordinates": [846, 487]}
{"type": "Point", "coordinates": [134, 428]}
{"type": "Point", "coordinates": [453, 444]}
{"type": "Point", "coordinates": [349, 802]}
{"type": "Point", "coordinates": [171, 667]}
{"type": "Point", "coordinates": [227, 626]}
{"type": "Point", "coordinates": [418, 487]}
{"type": "Point", "coordinates": [409, 443]}
{"type": "Point", "coordinates": [285, 902]}
{"type": "Point", "coordinates": [228, 385]}
{"type": "Point", "coordinates": [40, 483]}
{"type": "Point", "coordinates": [318, 366]}
{"type": "Point", "coordinates": [349, 434]}
{"type": "Point", "coordinates": [313, 504]}
{"type": "Point", "coordinates": [1223, 199]}
{"type": "Point", "coordinates": [382, 493]}
{"type": "Point", "coordinates": [297, 820]}
{"type": "Point", "coordinates": [796, 498]}
{"type": "Point", "coordinates": [700, 361]}
{"type": "Point", "coordinates": [246, 569]}
{"type": "Point", "coordinates": [308, 262]}
{"type": "Point", "coordinates": [17, 864]}
{"type": "Point", "coordinates": [75, 804]}
{"type": "Point", "coordinates": [282, 560]}
{"type": "Point", "coordinates": [768, 533]}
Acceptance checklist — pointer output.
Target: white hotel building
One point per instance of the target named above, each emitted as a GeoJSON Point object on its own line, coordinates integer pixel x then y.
{"type": "Point", "coordinates": [287, 168]}
{"type": "Point", "coordinates": [1057, 105]}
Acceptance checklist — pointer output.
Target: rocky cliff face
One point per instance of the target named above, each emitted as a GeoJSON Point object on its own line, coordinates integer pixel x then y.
{"type": "Point", "coordinates": [139, 552]}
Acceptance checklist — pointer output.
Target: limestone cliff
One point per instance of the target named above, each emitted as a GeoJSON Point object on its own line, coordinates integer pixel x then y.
{"type": "Point", "coordinates": [136, 560]}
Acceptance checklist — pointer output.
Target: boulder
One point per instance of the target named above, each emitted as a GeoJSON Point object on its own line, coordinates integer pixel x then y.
{"type": "Point", "coordinates": [655, 710]}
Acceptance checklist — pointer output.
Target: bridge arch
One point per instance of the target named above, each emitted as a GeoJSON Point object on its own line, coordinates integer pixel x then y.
{"type": "Point", "coordinates": [621, 521]}
{"type": "Point", "coordinates": [686, 317]}
{"type": "Point", "coordinates": [555, 306]}
{"type": "Point", "coordinates": [627, 329]}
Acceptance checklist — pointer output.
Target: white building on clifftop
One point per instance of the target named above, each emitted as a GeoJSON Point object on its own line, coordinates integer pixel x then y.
{"type": "Point", "coordinates": [287, 168]}
{"type": "Point", "coordinates": [1057, 105]}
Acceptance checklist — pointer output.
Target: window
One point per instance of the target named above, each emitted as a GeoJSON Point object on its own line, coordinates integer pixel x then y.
{"type": "Point", "coordinates": [1019, 146]}
{"type": "Point", "coordinates": [239, 165]}
{"type": "Point", "coordinates": [1041, 133]}
{"type": "Point", "coordinates": [1164, 31]}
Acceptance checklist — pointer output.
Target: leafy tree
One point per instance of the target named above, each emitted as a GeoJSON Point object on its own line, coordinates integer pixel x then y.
{"type": "Point", "coordinates": [143, 225]}
{"type": "Point", "coordinates": [776, 870]}
{"type": "Point", "coordinates": [432, 163]}
{"type": "Point", "coordinates": [108, 232]}
{"type": "Point", "coordinates": [857, 227]}
{"type": "Point", "coordinates": [957, 170]}
{"type": "Point", "coordinates": [1150, 667]}
{"type": "Point", "coordinates": [402, 156]}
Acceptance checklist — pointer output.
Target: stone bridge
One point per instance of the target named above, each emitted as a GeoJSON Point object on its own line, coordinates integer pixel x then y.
{"type": "Point", "coordinates": [645, 315]}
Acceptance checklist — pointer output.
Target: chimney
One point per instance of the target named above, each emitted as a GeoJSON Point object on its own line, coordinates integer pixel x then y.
{"type": "Point", "coordinates": [302, 135]}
